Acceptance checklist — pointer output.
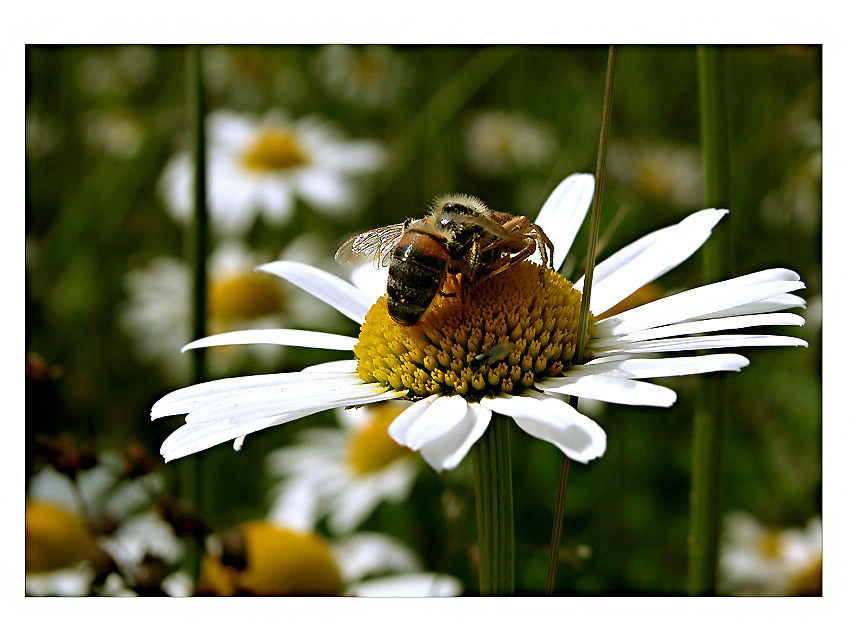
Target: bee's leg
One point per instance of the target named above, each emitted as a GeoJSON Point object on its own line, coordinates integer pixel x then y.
{"type": "Point", "coordinates": [547, 248]}
{"type": "Point", "coordinates": [506, 261]}
{"type": "Point", "coordinates": [517, 223]}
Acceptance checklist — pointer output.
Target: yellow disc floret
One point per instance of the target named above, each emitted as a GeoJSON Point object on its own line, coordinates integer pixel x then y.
{"type": "Point", "coordinates": [240, 296]}
{"type": "Point", "coordinates": [275, 149]}
{"type": "Point", "coordinates": [268, 560]}
{"type": "Point", "coordinates": [55, 538]}
{"type": "Point", "coordinates": [496, 337]}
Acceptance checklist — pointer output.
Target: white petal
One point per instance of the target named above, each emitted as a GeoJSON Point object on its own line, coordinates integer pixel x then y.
{"type": "Point", "coordinates": [326, 191]}
{"type": "Point", "coordinates": [703, 326]}
{"type": "Point", "coordinates": [701, 343]}
{"type": "Point", "coordinates": [356, 502]}
{"type": "Point", "coordinates": [554, 421]}
{"type": "Point", "coordinates": [364, 553]}
{"type": "Point", "coordinates": [440, 417]}
{"type": "Point", "coordinates": [563, 213]}
{"type": "Point", "coordinates": [196, 436]}
{"type": "Point", "coordinates": [447, 451]}
{"type": "Point", "coordinates": [294, 396]}
{"type": "Point", "coordinates": [671, 247]}
{"type": "Point", "coordinates": [667, 367]}
{"type": "Point", "coordinates": [296, 506]}
{"type": "Point", "coordinates": [372, 281]}
{"type": "Point", "coordinates": [772, 304]}
{"type": "Point", "coordinates": [336, 292]}
{"type": "Point", "coordinates": [418, 585]}
{"type": "Point", "coordinates": [275, 199]}
{"type": "Point", "coordinates": [622, 257]}
{"type": "Point", "coordinates": [724, 296]}
{"type": "Point", "coordinates": [277, 336]}
{"type": "Point", "coordinates": [186, 399]}
{"type": "Point", "coordinates": [611, 389]}
{"type": "Point", "coordinates": [401, 425]}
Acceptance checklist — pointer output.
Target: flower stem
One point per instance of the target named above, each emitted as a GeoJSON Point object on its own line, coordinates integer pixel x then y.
{"type": "Point", "coordinates": [494, 508]}
{"type": "Point", "coordinates": [712, 402]}
{"type": "Point", "coordinates": [584, 311]}
{"type": "Point", "coordinates": [198, 248]}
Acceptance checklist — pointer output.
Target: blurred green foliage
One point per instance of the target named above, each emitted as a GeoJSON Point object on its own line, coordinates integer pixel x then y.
{"type": "Point", "coordinates": [103, 121]}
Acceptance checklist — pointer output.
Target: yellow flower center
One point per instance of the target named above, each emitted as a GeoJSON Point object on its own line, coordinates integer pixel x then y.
{"type": "Point", "coordinates": [496, 337]}
{"type": "Point", "coordinates": [55, 538]}
{"type": "Point", "coordinates": [241, 296]}
{"type": "Point", "coordinates": [272, 561]}
{"type": "Point", "coordinates": [275, 149]}
{"type": "Point", "coordinates": [370, 448]}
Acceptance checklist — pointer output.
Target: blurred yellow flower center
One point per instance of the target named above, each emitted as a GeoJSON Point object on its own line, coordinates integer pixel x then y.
{"type": "Point", "coordinates": [275, 149]}
{"type": "Point", "coordinates": [496, 337]}
{"type": "Point", "coordinates": [243, 295]}
{"type": "Point", "coordinates": [370, 448]}
{"type": "Point", "coordinates": [771, 545]}
{"type": "Point", "coordinates": [368, 68]}
{"type": "Point", "coordinates": [55, 538]}
{"type": "Point", "coordinates": [654, 177]}
{"type": "Point", "coordinates": [275, 561]}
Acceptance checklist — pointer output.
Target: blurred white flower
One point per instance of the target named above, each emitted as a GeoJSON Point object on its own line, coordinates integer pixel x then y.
{"type": "Point", "coordinates": [372, 76]}
{"type": "Point", "coordinates": [58, 526]}
{"type": "Point", "coordinates": [342, 474]}
{"type": "Point", "coordinates": [658, 171]}
{"type": "Point", "coordinates": [756, 561]}
{"type": "Point", "coordinates": [43, 134]}
{"type": "Point", "coordinates": [262, 558]}
{"type": "Point", "coordinates": [116, 133]}
{"type": "Point", "coordinates": [498, 143]}
{"type": "Point", "coordinates": [260, 166]}
{"type": "Point", "coordinates": [158, 312]}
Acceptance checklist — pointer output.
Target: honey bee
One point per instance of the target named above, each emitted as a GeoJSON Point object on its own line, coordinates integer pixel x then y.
{"type": "Point", "coordinates": [460, 234]}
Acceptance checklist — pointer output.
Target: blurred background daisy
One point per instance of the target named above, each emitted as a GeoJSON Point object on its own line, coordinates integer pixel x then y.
{"type": "Point", "coordinates": [342, 474]}
{"type": "Point", "coordinates": [259, 166]}
{"type": "Point", "coordinates": [759, 561]}
{"type": "Point", "coordinates": [157, 314]}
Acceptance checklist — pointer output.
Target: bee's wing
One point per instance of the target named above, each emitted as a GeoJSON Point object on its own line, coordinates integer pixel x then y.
{"type": "Point", "coordinates": [375, 244]}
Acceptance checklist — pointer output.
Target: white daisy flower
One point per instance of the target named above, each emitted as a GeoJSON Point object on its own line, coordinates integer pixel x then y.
{"type": "Point", "coordinates": [57, 530]}
{"type": "Point", "coordinates": [756, 561]}
{"type": "Point", "coordinates": [534, 312]}
{"type": "Point", "coordinates": [658, 170]}
{"type": "Point", "coordinates": [342, 474]}
{"type": "Point", "coordinates": [373, 75]}
{"type": "Point", "coordinates": [498, 142]}
{"type": "Point", "coordinates": [260, 166]}
{"type": "Point", "coordinates": [262, 558]}
{"type": "Point", "coordinates": [158, 311]}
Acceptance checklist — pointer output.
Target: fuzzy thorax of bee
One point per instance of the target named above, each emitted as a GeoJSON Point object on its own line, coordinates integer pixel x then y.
{"type": "Point", "coordinates": [496, 337]}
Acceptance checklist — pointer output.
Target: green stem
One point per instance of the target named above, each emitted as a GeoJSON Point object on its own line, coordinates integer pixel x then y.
{"type": "Point", "coordinates": [712, 402]}
{"type": "Point", "coordinates": [584, 311]}
{"type": "Point", "coordinates": [199, 244]}
{"type": "Point", "coordinates": [494, 508]}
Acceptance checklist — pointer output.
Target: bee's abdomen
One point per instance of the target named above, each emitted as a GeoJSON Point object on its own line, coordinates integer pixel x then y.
{"type": "Point", "coordinates": [416, 274]}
